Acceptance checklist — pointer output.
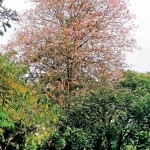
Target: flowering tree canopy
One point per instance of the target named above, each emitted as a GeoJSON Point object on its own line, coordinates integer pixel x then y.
{"type": "Point", "coordinates": [73, 40]}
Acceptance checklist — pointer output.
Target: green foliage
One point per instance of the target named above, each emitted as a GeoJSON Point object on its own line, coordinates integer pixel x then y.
{"type": "Point", "coordinates": [5, 121]}
{"type": "Point", "coordinates": [27, 118]}
{"type": "Point", "coordinates": [109, 118]}
{"type": "Point", "coordinates": [112, 118]}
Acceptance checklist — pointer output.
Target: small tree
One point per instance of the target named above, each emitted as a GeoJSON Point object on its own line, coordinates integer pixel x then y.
{"type": "Point", "coordinates": [21, 117]}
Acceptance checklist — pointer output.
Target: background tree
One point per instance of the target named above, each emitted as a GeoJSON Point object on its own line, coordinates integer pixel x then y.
{"type": "Point", "coordinates": [109, 118]}
{"type": "Point", "coordinates": [6, 15]}
{"type": "Point", "coordinates": [73, 42]}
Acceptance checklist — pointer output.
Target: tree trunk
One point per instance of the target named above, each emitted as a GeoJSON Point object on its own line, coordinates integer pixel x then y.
{"type": "Point", "coordinates": [98, 145]}
{"type": "Point", "coordinates": [119, 141]}
{"type": "Point", "coordinates": [108, 137]}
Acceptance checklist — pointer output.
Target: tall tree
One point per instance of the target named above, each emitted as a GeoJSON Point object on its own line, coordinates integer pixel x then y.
{"type": "Point", "coordinates": [73, 42]}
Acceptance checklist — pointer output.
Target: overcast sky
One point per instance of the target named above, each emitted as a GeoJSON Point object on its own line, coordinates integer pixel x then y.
{"type": "Point", "coordinates": [140, 60]}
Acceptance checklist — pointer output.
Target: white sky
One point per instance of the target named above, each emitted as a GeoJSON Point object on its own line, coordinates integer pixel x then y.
{"type": "Point", "coordinates": [17, 5]}
{"type": "Point", "coordinates": [140, 59]}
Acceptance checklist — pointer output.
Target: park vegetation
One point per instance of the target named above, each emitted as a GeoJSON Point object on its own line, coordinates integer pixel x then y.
{"type": "Point", "coordinates": [62, 80]}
